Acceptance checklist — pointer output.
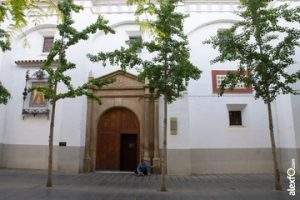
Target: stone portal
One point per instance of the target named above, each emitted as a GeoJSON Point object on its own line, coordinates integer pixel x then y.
{"type": "Point", "coordinates": [128, 115]}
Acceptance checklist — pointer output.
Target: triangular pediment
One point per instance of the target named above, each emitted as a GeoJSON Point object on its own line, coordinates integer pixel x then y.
{"type": "Point", "coordinates": [122, 80]}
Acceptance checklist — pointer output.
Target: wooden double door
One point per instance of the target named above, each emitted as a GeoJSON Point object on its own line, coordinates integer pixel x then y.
{"type": "Point", "coordinates": [118, 140]}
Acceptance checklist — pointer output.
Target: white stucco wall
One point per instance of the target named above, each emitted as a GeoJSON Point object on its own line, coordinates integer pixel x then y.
{"type": "Point", "coordinates": [180, 110]}
{"type": "Point", "coordinates": [71, 113]}
{"type": "Point", "coordinates": [202, 116]}
{"type": "Point", "coordinates": [284, 119]}
{"type": "Point", "coordinates": [2, 112]}
{"type": "Point", "coordinates": [296, 117]}
{"type": "Point", "coordinates": [3, 78]}
{"type": "Point", "coordinates": [2, 108]}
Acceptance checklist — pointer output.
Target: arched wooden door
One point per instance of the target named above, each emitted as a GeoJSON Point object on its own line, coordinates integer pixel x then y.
{"type": "Point", "coordinates": [118, 140]}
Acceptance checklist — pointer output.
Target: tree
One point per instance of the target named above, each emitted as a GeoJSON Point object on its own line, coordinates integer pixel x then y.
{"type": "Point", "coordinates": [169, 70]}
{"type": "Point", "coordinates": [14, 10]}
{"type": "Point", "coordinates": [263, 43]}
{"type": "Point", "coordinates": [68, 36]}
{"type": "Point", "coordinates": [4, 95]}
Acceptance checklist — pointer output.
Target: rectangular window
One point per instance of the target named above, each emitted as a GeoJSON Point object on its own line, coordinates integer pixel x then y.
{"type": "Point", "coordinates": [235, 118]}
{"type": "Point", "coordinates": [134, 39]}
{"type": "Point", "coordinates": [219, 75]}
{"type": "Point", "coordinates": [173, 126]}
{"type": "Point", "coordinates": [48, 43]}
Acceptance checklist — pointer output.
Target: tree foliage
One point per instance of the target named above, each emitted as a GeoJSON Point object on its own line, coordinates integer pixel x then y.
{"type": "Point", "coordinates": [57, 65]}
{"type": "Point", "coordinates": [263, 43]}
{"type": "Point", "coordinates": [14, 11]}
{"type": "Point", "coordinates": [169, 70]}
{"type": "Point", "coordinates": [4, 94]}
{"type": "Point", "coordinates": [69, 36]}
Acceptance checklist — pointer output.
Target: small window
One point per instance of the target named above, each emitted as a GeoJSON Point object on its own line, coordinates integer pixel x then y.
{"type": "Point", "coordinates": [219, 75]}
{"type": "Point", "coordinates": [48, 43]}
{"type": "Point", "coordinates": [221, 78]}
{"type": "Point", "coordinates": [235, 118]}
{"type": "Point", "coordinates": [173, 126]}
{"type": "Point", "coordinates": [134, 39]}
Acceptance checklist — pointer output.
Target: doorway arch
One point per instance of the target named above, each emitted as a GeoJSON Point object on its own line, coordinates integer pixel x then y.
{"type": "Point", "coordinates": [118, 140]}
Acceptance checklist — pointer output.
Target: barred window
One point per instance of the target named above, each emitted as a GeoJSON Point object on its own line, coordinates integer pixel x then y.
{"type": "Point", "coordinates": [219, 75]}
{"type": "Point", "coordinates": [173, 126]}
{"type": "Point", "coordinates": [133, 39]}
{"type": "Point", "coordinates": [235, 118]}
{"type": "Point", "coordinates": [48, 43]}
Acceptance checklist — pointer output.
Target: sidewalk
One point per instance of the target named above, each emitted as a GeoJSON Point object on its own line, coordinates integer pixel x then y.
{"type": "Point", "coordinates": [30, 185]}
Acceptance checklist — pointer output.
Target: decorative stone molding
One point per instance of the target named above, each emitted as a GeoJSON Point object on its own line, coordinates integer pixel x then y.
{"type": "Point", "coordinates": [120, 6]}
{"type": "Point", "coordinates": [39, 28]}
{"type": "Point", "coordinates": [211, 7]}
{"type": "Point", "coordinates": [221, 21]}
{"type": "Point", "coordinates": [126, 92]}
{"type": "Point", "coordinates": [30, 107]}
{"type": "Point", "coordinates": [118, 2]}
{"type": "Point", "coordinates": [123, 80]}
{"type": "Point", "coordinates": [33, 62]}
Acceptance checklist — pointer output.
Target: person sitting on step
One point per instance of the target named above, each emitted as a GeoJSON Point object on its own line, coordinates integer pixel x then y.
{"type": "Point", "coordinates": [143, 168]}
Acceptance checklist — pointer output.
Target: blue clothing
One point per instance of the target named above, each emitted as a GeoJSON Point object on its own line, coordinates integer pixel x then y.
{"type": "Point", "coordinates": [142, 168]}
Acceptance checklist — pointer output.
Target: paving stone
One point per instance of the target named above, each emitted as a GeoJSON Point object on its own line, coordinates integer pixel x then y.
{"type": "Point", "coordinates": [30, 185]}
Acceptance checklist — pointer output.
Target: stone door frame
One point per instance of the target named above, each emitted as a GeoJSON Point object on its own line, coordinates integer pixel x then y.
{"type": "Point", "coordinates": [128, 92]}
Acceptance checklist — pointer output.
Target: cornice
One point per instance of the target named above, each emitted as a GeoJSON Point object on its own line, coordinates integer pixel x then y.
{"type": "Point", "coordinates": [211, 1]}
{"type": "Point", "coordinates": [120, 6]}
{"type": "Point", "coordinates": [118, 2]}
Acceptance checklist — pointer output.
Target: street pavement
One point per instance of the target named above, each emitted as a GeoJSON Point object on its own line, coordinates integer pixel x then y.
{"type": "Point", "coordinates": [30, 185]}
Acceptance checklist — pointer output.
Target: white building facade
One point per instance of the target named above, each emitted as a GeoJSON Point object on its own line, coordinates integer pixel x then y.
{"type": "Point", "coordinates": [206, 133]}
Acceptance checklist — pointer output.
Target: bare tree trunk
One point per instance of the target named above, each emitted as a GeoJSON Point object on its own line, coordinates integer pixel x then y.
{"type": "Point", "coordinates": [163, 187]}
{"type": "Point", "coordinates": [278, 185]}
{"type": "Point", "coordinates": [50, 154]}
